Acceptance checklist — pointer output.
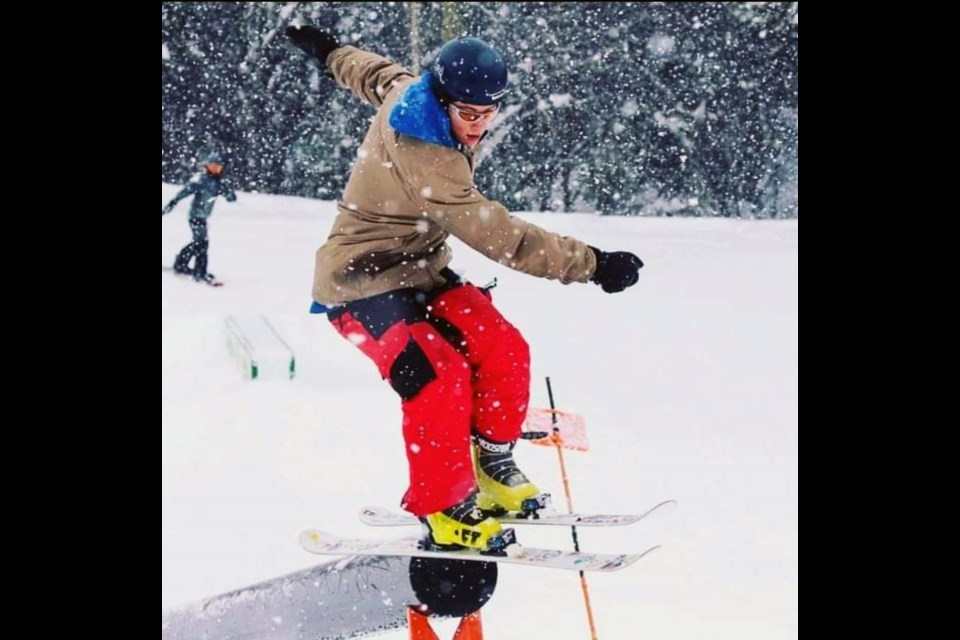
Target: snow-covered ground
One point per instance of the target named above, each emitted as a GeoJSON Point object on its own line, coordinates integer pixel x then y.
{"type": "Point", "coordinates": [688, 381]}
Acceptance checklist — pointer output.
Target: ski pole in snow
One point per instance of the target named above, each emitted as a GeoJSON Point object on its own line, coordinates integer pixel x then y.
{"type": "Point", "coordinates": [557, 440]}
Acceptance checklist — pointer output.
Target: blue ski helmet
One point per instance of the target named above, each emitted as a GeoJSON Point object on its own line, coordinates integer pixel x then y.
{"type": "Point", "coordinates": [469, 70]}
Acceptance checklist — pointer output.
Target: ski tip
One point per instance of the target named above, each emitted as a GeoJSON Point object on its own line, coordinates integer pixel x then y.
{"type": "Point", "coordinates": [620, 562]}
{"type": "Point", "coordinates": [624, 561]}
{"type": "Point", "coordinates": [647, 552]}
{"type": "Point", "coordinates": [667, 506]}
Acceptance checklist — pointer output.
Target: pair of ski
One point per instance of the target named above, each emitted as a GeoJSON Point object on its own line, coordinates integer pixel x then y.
{"type": "Point", "coordinates": [213, 282]}
{"type": "Point", "coordinates": [323, 543]}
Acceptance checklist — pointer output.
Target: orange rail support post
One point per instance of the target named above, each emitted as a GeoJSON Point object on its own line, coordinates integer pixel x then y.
{"type": "Point", "coordinates": [469, 628]}
{"type": "Point", "coordinates": [557, 440]}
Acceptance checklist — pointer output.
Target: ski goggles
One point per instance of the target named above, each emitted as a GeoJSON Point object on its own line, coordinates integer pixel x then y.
{"type": "Point", "coordinates": [473, 116]}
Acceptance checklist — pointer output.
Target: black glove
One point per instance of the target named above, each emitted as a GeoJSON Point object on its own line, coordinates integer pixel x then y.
{"type": "Point", "coordinates": [313, 41]}
{"type": "Point", "coordinates": [616, 271]}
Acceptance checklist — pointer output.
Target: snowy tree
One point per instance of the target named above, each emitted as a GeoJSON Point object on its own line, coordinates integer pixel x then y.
{"type": "Point", "coordinates": [620, 108]}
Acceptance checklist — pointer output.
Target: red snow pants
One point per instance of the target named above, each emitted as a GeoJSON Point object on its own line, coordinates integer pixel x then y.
{"type": "Point", "coordinates": [458, 366]}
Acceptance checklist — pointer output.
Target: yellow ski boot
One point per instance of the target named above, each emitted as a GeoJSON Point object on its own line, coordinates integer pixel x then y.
{"type": "Point", "coordinates": [503, 487]}
{"type": "Point", "coordinates": [464, 525]}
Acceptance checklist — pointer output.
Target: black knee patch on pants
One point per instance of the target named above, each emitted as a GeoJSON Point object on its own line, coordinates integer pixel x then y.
{"type": "Point", "coordinates": [411, 371]}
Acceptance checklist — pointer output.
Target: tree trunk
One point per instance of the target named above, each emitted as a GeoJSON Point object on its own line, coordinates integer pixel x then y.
{"type": "Point", "coordinates": [413, 9]}
{"type": "Point", "coordinates": [451, 20]}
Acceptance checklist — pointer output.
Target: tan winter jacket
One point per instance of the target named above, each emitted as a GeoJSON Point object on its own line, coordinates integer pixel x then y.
{"type": "Point", "coordinates": [404, 198]}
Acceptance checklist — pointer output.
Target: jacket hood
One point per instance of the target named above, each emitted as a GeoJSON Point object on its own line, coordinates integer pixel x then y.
{"type": "Point", "coordinates": [419, 114]}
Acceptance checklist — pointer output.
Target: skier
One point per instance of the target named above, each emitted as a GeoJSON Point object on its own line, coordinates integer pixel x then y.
{"type": "Point", "coordinates": [204, 187]}
{"type": "Point", "coordinates": [461, 370]}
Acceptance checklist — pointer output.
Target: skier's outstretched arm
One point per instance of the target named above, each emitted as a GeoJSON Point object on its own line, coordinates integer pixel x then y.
{"type": "Point", "coordinates": [183, 193]}
{"type": "Point", "coordinates": [368, 75]}
{"type": "Point", "coordinates": [454, 203]}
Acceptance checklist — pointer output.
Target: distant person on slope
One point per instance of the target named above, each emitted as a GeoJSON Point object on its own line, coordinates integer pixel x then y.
{"type": "Point", "coordinates": [204, 187]}
{"type": "Point", "coordinates": [461, 370]}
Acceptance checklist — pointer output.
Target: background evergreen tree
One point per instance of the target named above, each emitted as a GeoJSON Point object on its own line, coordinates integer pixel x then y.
{"type": "Point", "coordinates": [620, 108]}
